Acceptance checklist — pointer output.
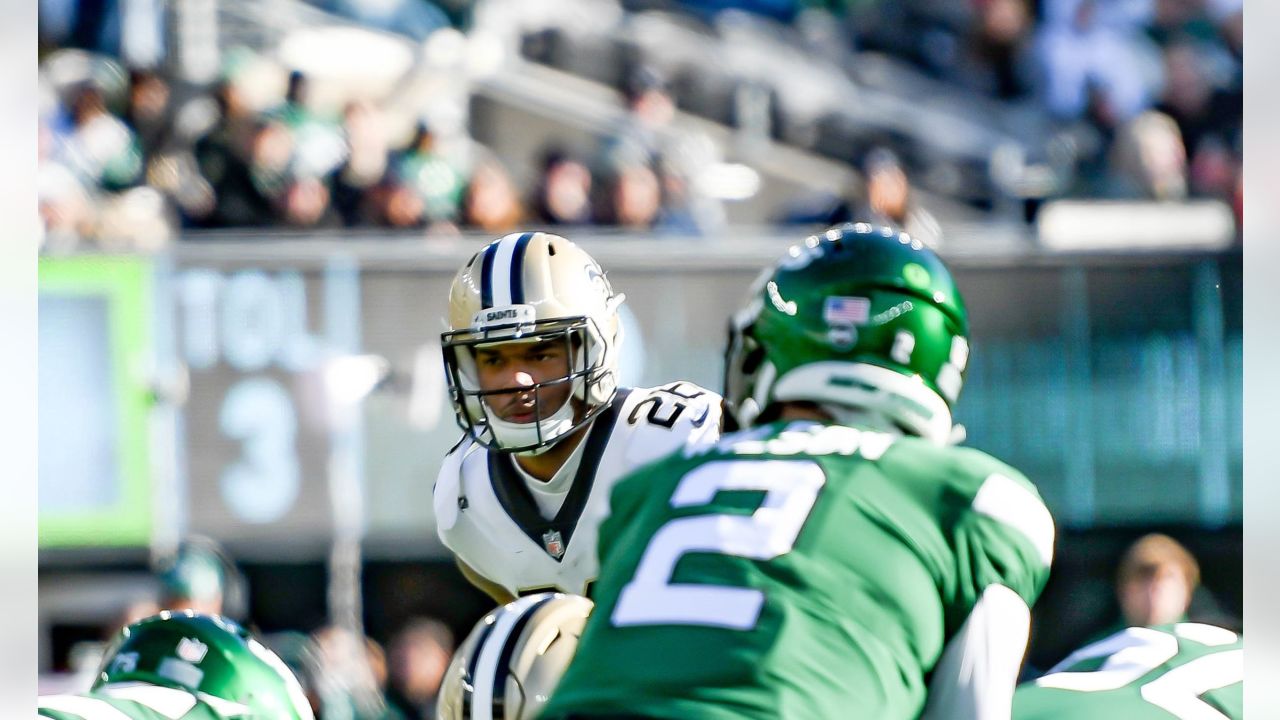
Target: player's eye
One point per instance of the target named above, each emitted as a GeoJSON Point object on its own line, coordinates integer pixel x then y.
{"type": "Point", "coordinates": [545, 354]}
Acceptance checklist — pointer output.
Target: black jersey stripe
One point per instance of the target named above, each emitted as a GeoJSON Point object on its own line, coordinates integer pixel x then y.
{"type": "Point", "coordinates": [517, 500]}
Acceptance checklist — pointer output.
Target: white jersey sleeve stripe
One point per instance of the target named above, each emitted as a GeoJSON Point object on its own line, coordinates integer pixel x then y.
{"type": "Point", "coordinates": [975, 678]}
{"type": "Point", "coordinates": [1013, 504]}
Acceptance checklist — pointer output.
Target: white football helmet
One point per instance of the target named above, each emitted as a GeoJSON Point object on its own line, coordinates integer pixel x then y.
{"type": "Point", "coordinates": [532, 287]}
{"type": "Point", "coordinates": [508, 666]}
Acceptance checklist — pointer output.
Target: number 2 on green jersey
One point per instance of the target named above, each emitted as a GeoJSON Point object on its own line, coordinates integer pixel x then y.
{"type": "Point", "coordinates": [651, 598]}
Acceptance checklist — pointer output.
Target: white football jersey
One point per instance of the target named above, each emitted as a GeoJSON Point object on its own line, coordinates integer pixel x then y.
{"type": "Point", "coordinates": [487, 516]}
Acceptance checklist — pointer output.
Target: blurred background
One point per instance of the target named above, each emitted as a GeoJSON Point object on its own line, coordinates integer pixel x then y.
{"type": "Point", "coordinates": [252, 210]}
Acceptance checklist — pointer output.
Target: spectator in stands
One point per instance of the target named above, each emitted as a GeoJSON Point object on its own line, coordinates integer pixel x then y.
{"type": "Point", "coordinates": [886, 198]}
{"type": "Point", "coordinates": [398, 205]}
{"type": "Point", "coordinates": [99, 147]}
{"type": "Point", "coordinates": [1148, 160]}
{"type": "Point", "coordinates": [66, 205]}
{"type": "Point", "coordinates": [419, 655]}
{"type": "Point", "coordinates": [1191, 96]}
{"type": "Point", "coordinates": [225, 158]}
{"type": "Point", "coordinates": [890, 201]}
{"type": "Point", "coordinates": [682, 212]}
{"type": "Point", "coordinates": [354, 181]}
{"type": "Point", "coordinates": [633, 197]}
{"type": "Point", "coordinates": [149, 113]}
{"type": "Point", "coordinates": [564, 191]}
{"type": "Point", "coordinates": [639, 139]}
{"type": "Point", "coordinates": [1209, 116]}
{"type": "Point", "coordinates": [318, 145]}
{"type": "Point", "coordinates": [1214, 170]}
{"type": "Point", "coordinates": [424, 169]}
{"type": "Point", "coordinates": [995, 59]}
{"type": "Point", "coordinates": [294, 111]}
{"type": "Point", "coordinates": [194, 579]}
{"type": "Point", "coordinates": [1155, 581]}
{"type": "Point", "coordinates": [350, 676]}
{"type": "Point", "coordinates": [299, 653]}
{"type": "Point", "coordinates": [491, 202]}
{"type": "Point", "coordinates": [271, 159]}
{"type": "Point", "coordinates": [135, 220]}
{"type": "Point", "coordinates": [304, 203]}
{"type": "Point", "coordinates": [1090, 45]}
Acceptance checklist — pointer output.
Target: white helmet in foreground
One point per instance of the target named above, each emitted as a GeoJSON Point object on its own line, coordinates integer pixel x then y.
{"type": "Point", "coordinates": [508, 666]}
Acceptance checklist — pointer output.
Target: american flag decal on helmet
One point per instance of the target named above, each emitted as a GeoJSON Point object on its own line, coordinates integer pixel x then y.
{"type": "Point", "coordinates": [846, 310]}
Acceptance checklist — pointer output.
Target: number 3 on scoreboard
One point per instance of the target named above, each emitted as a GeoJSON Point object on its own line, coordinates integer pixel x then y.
{"type": "Point", "coordinates": [650, 598]}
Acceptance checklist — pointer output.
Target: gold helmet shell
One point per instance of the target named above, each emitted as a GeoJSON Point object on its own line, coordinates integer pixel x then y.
{"type": "Point", "coordinates": [529, 287]}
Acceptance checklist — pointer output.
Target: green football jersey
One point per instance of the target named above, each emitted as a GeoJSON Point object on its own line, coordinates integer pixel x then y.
{"type": "Point", "coordinates": [799, 570]}
{"type": "Point", "coordinates": [1186, 671]}
{"type": "Point", "coordinates": [138, 703]}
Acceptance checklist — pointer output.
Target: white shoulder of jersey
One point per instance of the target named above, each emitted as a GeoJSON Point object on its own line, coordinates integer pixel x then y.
{"type": "Point", "coordinates": [656, 421]}
{"type": "Point", "coordinates": [445, 493]}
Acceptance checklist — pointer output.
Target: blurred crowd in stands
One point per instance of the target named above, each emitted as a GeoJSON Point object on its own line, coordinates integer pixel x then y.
{"type": "Point", "coordinates": [1151, 89]}
{"type": "Point", "coordinates": [1144, 95]}
{"type": "Point", "coordinates": [134, 166]}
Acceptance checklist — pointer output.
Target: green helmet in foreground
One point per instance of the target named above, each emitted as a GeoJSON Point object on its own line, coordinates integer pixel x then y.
{"type": "Point", "coordinates": [865, 321]}
{"type": "Point", "coordinates": [211, 657]}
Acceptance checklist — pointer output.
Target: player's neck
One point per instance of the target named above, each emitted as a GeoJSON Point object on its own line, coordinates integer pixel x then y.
{"type": "Point", "coordinates": [544, 466]}
{"type": "Point", "coordinates": [803, 411]}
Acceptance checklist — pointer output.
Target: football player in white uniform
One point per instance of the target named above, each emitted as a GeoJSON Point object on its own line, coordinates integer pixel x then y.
{"type": "Point", "coordinates": [532, 365]}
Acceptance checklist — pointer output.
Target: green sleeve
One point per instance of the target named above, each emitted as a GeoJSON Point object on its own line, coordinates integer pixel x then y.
{"type": "Point", "coordinates": [1005, 536]}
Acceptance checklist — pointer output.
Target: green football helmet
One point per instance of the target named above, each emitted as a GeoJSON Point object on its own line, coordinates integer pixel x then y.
{"type": "Point", "coordinates": [865, 321]}
{"type": "Point", "coordinates": [195, 571]}
{"type": "Point", "coordinates": [211, 657]}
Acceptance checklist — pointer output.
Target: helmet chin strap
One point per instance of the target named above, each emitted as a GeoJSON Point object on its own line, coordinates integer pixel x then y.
{"type": "Point", "coordinates": [512, 434]}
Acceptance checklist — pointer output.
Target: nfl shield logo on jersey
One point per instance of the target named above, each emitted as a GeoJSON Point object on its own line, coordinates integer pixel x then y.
{"type": "Point", "coordinates": [554, 543]}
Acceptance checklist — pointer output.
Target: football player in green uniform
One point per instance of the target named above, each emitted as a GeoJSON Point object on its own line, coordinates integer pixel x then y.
{"type": "Point", "coordinates": [1182, 671]}
{"type": "Point", "coordinates": [839, 558]}
{"type": "Point", "coordinates": [184, 666]}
